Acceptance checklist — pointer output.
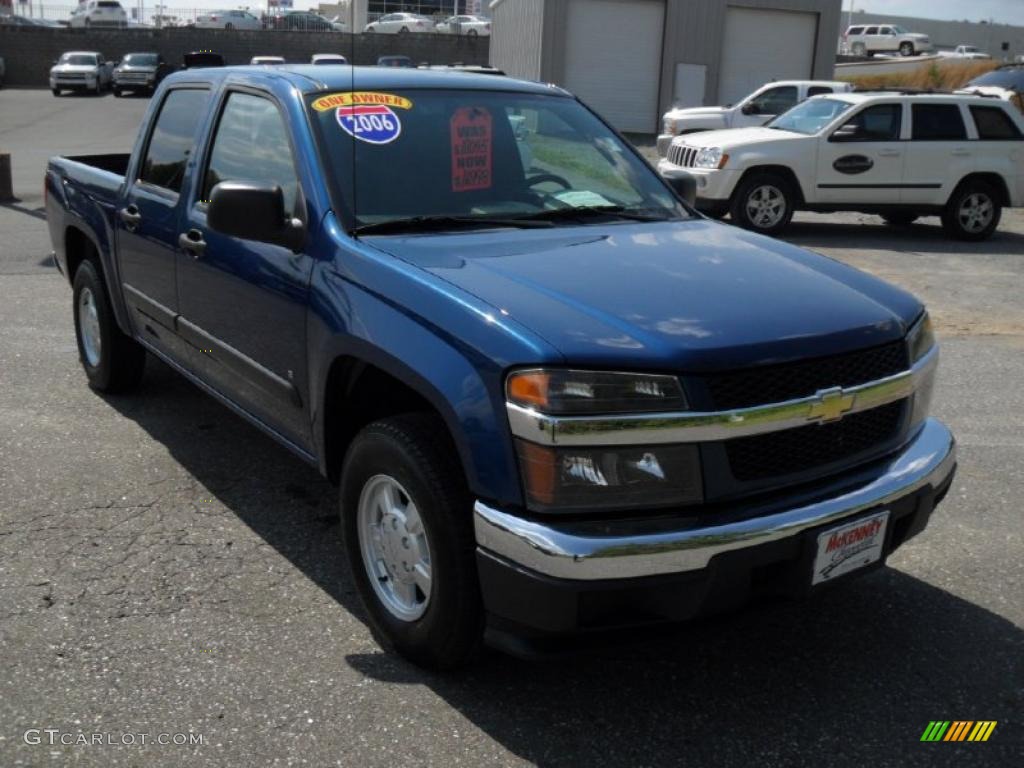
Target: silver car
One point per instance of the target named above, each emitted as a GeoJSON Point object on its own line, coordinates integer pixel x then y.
{"type": "Point", "coordinates": [80, 71]}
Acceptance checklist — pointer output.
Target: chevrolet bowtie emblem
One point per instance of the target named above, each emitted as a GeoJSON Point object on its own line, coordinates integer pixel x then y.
{"type": "Point", "coordinates": [832, 405]}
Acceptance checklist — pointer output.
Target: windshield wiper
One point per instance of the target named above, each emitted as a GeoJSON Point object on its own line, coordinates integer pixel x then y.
{"type": "Point", "coordinates": [443, 223]}
{"type": "Point", "coordinates": [586, 211]}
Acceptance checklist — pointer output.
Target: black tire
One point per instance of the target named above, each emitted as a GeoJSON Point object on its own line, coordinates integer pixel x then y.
{"type": "Point", "coordinates": [960, 224]}
{"type": "Point", "coordinates": [907, 49]}
{"type": "Point", "coordinates": [406, 449]}
{"type": "Point", "coordinates": [121, 360]}
{"type": "Point", "coordinates": [55, 91]}
{"type": "Point", "coordinates": [117, 92]}
{"type": "Point", "coordinates": [471, 33]}
{"type": "Point", "coordinates": [229, 26]}
{"type": "Point", "coordinates": [859, 49]}
{"type": "Point", "coordinates": [779, 189]}
{"type": "Point", "coordinates": [900, 219]}
{"type": "Point", "coordinates": [403, 31]}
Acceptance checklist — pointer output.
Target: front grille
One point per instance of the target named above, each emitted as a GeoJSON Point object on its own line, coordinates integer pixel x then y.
{"type": "Point", "coordinates": [777, 383]}
{"type": "Point", "coordinates": [778, 454]}
{"type": "Point", "coordinates": [682, 155]}
{"type": "Point", "coordinates": [71, 76]}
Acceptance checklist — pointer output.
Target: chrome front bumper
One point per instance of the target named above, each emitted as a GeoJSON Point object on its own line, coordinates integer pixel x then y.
{"type": "Point", "coordinates": [558, 551]}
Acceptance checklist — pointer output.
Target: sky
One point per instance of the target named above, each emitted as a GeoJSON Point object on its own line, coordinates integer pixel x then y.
{"type": "Point", "coordinates": [1000, 11]}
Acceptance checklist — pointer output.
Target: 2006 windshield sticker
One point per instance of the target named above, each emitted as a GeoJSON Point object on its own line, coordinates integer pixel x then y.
{"type": "Point", "coordinates": [366, 115]}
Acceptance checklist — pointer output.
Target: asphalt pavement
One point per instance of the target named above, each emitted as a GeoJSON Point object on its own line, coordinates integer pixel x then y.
{"type": "Point", "coordinates": [167, 569]}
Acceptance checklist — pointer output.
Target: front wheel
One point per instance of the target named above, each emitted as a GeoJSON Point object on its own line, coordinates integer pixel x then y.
{"type": "Point", "coordinates": [906, 49]}
{"type": "Point", "coordinates": [117, 92]}
{"type": "Point", "coordinates": [973, 211]}
{"type": "Point", "coordinates": [229, 26]}
{"type": "Point", "coordinates": [859, 49]}
{"type": "Point", "coordinates": [55, 91]}
{"type": "Point", "coordinates": [403, 31]}
{"type": "Point", "coordinates": [407, 531]}
{"type": "Point", "coordinates": [763, 203]}
{"type": "Point", "coordinates": [113, 362]}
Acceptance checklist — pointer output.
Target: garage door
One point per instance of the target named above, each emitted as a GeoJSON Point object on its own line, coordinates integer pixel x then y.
{"type": "Point", "coordinates": [764, 45]}
{"type": "Point", "coordinates": [613, 59]}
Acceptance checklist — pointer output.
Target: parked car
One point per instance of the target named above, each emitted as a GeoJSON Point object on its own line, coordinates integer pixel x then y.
{"type": "Point", "coordinates": [267, 60]}
{"type": "Point", "coordinates": [80, 71]}
{"type": "Point", "coordinates": [869, 39]}
{"type": "Point", "coordinates": [303, 21]}
{"type": "Point", "coordinates": [554, 402]}
{"type": "Point", "coordinates": [228, 20]}
{"type": "Point", "coordinates": [328, 58]}
{"type": "Point", "coordinates": [395, 61]}
{"type": "Point", "coordinates": [767, 102]}
{"type": "Point", "coordinates": [472, 26]}
{"type": "Point", "coordinates": [99, 13]}
{"type": "Point", "coordinates": [339, 24]}
{"type": "Point", "coordinates": [966, 52]}
{"type": "Point", "coordinates": [138, 72]}
{"type": "Point", "coordinates": [898, 155]}
{"type": "Point", "coordinates": [201, 59]}
{"type": "Point", "coordinates": [400, 24]}
{"type": "Point", "coordinates": [1005, 82]}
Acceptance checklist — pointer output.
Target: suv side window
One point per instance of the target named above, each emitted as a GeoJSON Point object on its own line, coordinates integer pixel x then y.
{"type": "Point", "coordinates": [855, 31]}
{"type": "Point", "coordinates": [871, 31]}
{"type": "Point", "coordinates": [251, 144]}
{"type": "Point", "coordinates": [173, 138]}
{"type": "Point", "coordinates": [775, 101]}
{"type": "Point", "coordinates": [938, 122]}
{"type": "Point", "coordinates": [816, 90]}
{"type": "Point", "coordinates": [994, 124]}
{"type": "Point", "coordinates": [878, 123]}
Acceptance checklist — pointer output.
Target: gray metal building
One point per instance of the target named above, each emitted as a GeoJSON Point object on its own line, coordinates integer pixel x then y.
{"type": "Point", "coordinates": [633, 59]}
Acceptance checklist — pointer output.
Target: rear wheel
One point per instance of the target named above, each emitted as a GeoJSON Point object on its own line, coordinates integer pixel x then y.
{"type": "Point", "coordinates": [762, 202]}
{"type": "Point", "coordinates": [403, 31]}
{"type": "Point", "coordinates": [113, 361]}
{"type": "Point", "coordinates": [900, 219]}
{"type": "Point", "coordinates": [407, 531]}
{"type": "Point", "coordinates": [906, 49]}
{"type": "Point", "coordinates": [859, 49]}
{"type": "Point", "coordinates": [973, 211]}
{"type": "Point", "coordinates": [471, 33]}
{"type": "Point", "coordinates": [55, 91]}
{"type": "Point", "coordinates": [229, 26]}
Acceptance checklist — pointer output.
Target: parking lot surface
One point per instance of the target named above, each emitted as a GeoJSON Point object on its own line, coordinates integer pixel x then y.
{"type": "Point", "coordinates": [166, 569]}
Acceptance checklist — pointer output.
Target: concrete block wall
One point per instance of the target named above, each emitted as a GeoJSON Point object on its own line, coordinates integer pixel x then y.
{"type": "Point", "coordinates": [28, 53]}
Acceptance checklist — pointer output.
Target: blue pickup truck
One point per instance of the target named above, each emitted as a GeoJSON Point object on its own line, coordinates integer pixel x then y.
{"type": "Point", "coordinates": [556, 399]}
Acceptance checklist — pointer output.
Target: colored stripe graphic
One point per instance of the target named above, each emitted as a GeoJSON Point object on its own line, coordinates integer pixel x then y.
{"type": "Point", "coordinates": [958, 730]}
{"type": "Point", "coordinates": [982, 730]}
{"type": "Point", "coordinates": [935, 730]}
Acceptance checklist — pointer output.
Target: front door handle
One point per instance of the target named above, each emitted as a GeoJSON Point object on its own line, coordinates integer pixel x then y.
{"type": "Point", "coordinates": [961, 152]}
{"type": "Point", "coordinates": [131, 217]}
{"type": "Point", "coordinates": [192, 242]}
{"type": "Point", "coordinates": [890, 153]}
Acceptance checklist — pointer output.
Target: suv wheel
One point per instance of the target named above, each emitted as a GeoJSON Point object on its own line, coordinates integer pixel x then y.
{"type": "Point", "coordinates": [762, 202]}
{"type": "Point", "coordinates": [906, 49]}
{"type": "Point", "coordinates": [973, 211]}
{"type": "Point", "coordinates": [900, 219]}
{"type": "Point", "coordinates": [407, 530]}
{"type": "Point", "coordinates": [113, 362]}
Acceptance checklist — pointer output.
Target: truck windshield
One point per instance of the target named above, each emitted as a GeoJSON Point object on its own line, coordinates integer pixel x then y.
{"type": "Point", "coordinates": [444, 159]}
{"type": "Point", "coordinates": [78, 60]}
{"type": "Point", "coordinates": [811, 116]}
{"type": "Point", "coordinates": [140, 60]}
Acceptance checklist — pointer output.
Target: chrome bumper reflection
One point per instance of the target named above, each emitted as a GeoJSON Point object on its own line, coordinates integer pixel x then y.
{"type": "Point", "coordinates": [559, 552]}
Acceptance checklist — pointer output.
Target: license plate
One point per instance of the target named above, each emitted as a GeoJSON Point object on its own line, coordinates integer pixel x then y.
{"type": "Point", "coordinates": [849, 547]}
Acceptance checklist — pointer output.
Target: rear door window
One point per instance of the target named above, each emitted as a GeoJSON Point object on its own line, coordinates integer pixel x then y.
{"type": "Point", "coordinates": [173, 138]}
{"type": "Point", "coordinates": [817, 90]}
{"type": "Point", "coordinates": [938, 122]}
{"type": "Point", "coordinates": [994, 124]}
{"type": "Point", "coordinates": [871, 31]}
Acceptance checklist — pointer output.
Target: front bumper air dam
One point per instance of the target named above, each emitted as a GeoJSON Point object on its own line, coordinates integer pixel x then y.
{"type": "Point", "coordinates": [539, 579]}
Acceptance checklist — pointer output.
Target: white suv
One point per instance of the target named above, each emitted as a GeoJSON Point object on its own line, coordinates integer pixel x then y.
{"type": "Point", "coordinates": [758, 108]}
{"type": "Point", "coordinates": [895, 154]}
{"type": "Point", "coordinates": [869, 39]}
{"type": "Point", "coordinates": [99, 13]}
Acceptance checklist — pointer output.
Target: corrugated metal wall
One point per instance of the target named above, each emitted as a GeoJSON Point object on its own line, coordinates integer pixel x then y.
{"type": "Point", "coordinates": [517, 37]}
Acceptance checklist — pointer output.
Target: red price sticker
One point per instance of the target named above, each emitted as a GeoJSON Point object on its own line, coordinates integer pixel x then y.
{"type": "Point", "coordinates": [472, 149]}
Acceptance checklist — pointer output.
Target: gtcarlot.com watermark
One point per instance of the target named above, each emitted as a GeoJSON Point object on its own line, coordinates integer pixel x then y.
{"type": "Point", "coordinates": [56, 737]}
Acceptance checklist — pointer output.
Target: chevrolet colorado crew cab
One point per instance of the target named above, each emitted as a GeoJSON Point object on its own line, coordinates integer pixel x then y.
{"type": "Point", "coordinates": [900, 155]}
{"type": "Point", "coordinates": [767, 102]}
{"type": "Point", "coordinates": [555, 397]}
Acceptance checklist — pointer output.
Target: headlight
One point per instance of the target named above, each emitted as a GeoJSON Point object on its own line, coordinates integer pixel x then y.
{"type": "Point", "coordinates": [669, 126]}
{"type": "Point", "coordinates": [567, 392]}
{"type": "Point", "coordinates": [921, 338]}
{"type": "Point", "coordinates": [588, 478]}
{"type": "Point", "coordinates": [711, 157]}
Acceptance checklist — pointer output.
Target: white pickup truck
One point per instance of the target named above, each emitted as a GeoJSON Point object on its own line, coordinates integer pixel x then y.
{"type": "Point", "coordinates": [899, 155]}
{"type": "Point", "coordinates": [767, 102]}
{"type": "Point", "coordinates": [965, 52]}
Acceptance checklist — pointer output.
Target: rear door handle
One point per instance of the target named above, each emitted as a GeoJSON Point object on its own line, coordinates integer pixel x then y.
{"type": "Point", "coordinates": [131, 217]}
{"type": "Point", "coordinates": [192, 242]}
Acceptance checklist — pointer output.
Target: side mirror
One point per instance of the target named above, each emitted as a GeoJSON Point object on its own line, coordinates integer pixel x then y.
{"type": "Point", "coordinates": [750, 108]}
{"type": "Point", "coordinates": [685, 186]}
{"type": "Point", "coordinates": [848, 132]}
{"type": "Point", "coordinates": [254, 212]}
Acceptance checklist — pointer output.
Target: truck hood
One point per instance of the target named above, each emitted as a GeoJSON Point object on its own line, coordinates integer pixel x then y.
{"type": "Point", "coordinates": [71, 68]}
{"type": "Point", "coordinates": [689, 295]}
{"type": "Point", "coordinates": [680, 113]}
{"type": "Point", "coordinates": [736, 138]}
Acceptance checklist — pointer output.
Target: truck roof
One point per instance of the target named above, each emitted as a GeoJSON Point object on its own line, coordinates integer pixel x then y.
{"type": "Point", "coordinates": [310, 78]}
